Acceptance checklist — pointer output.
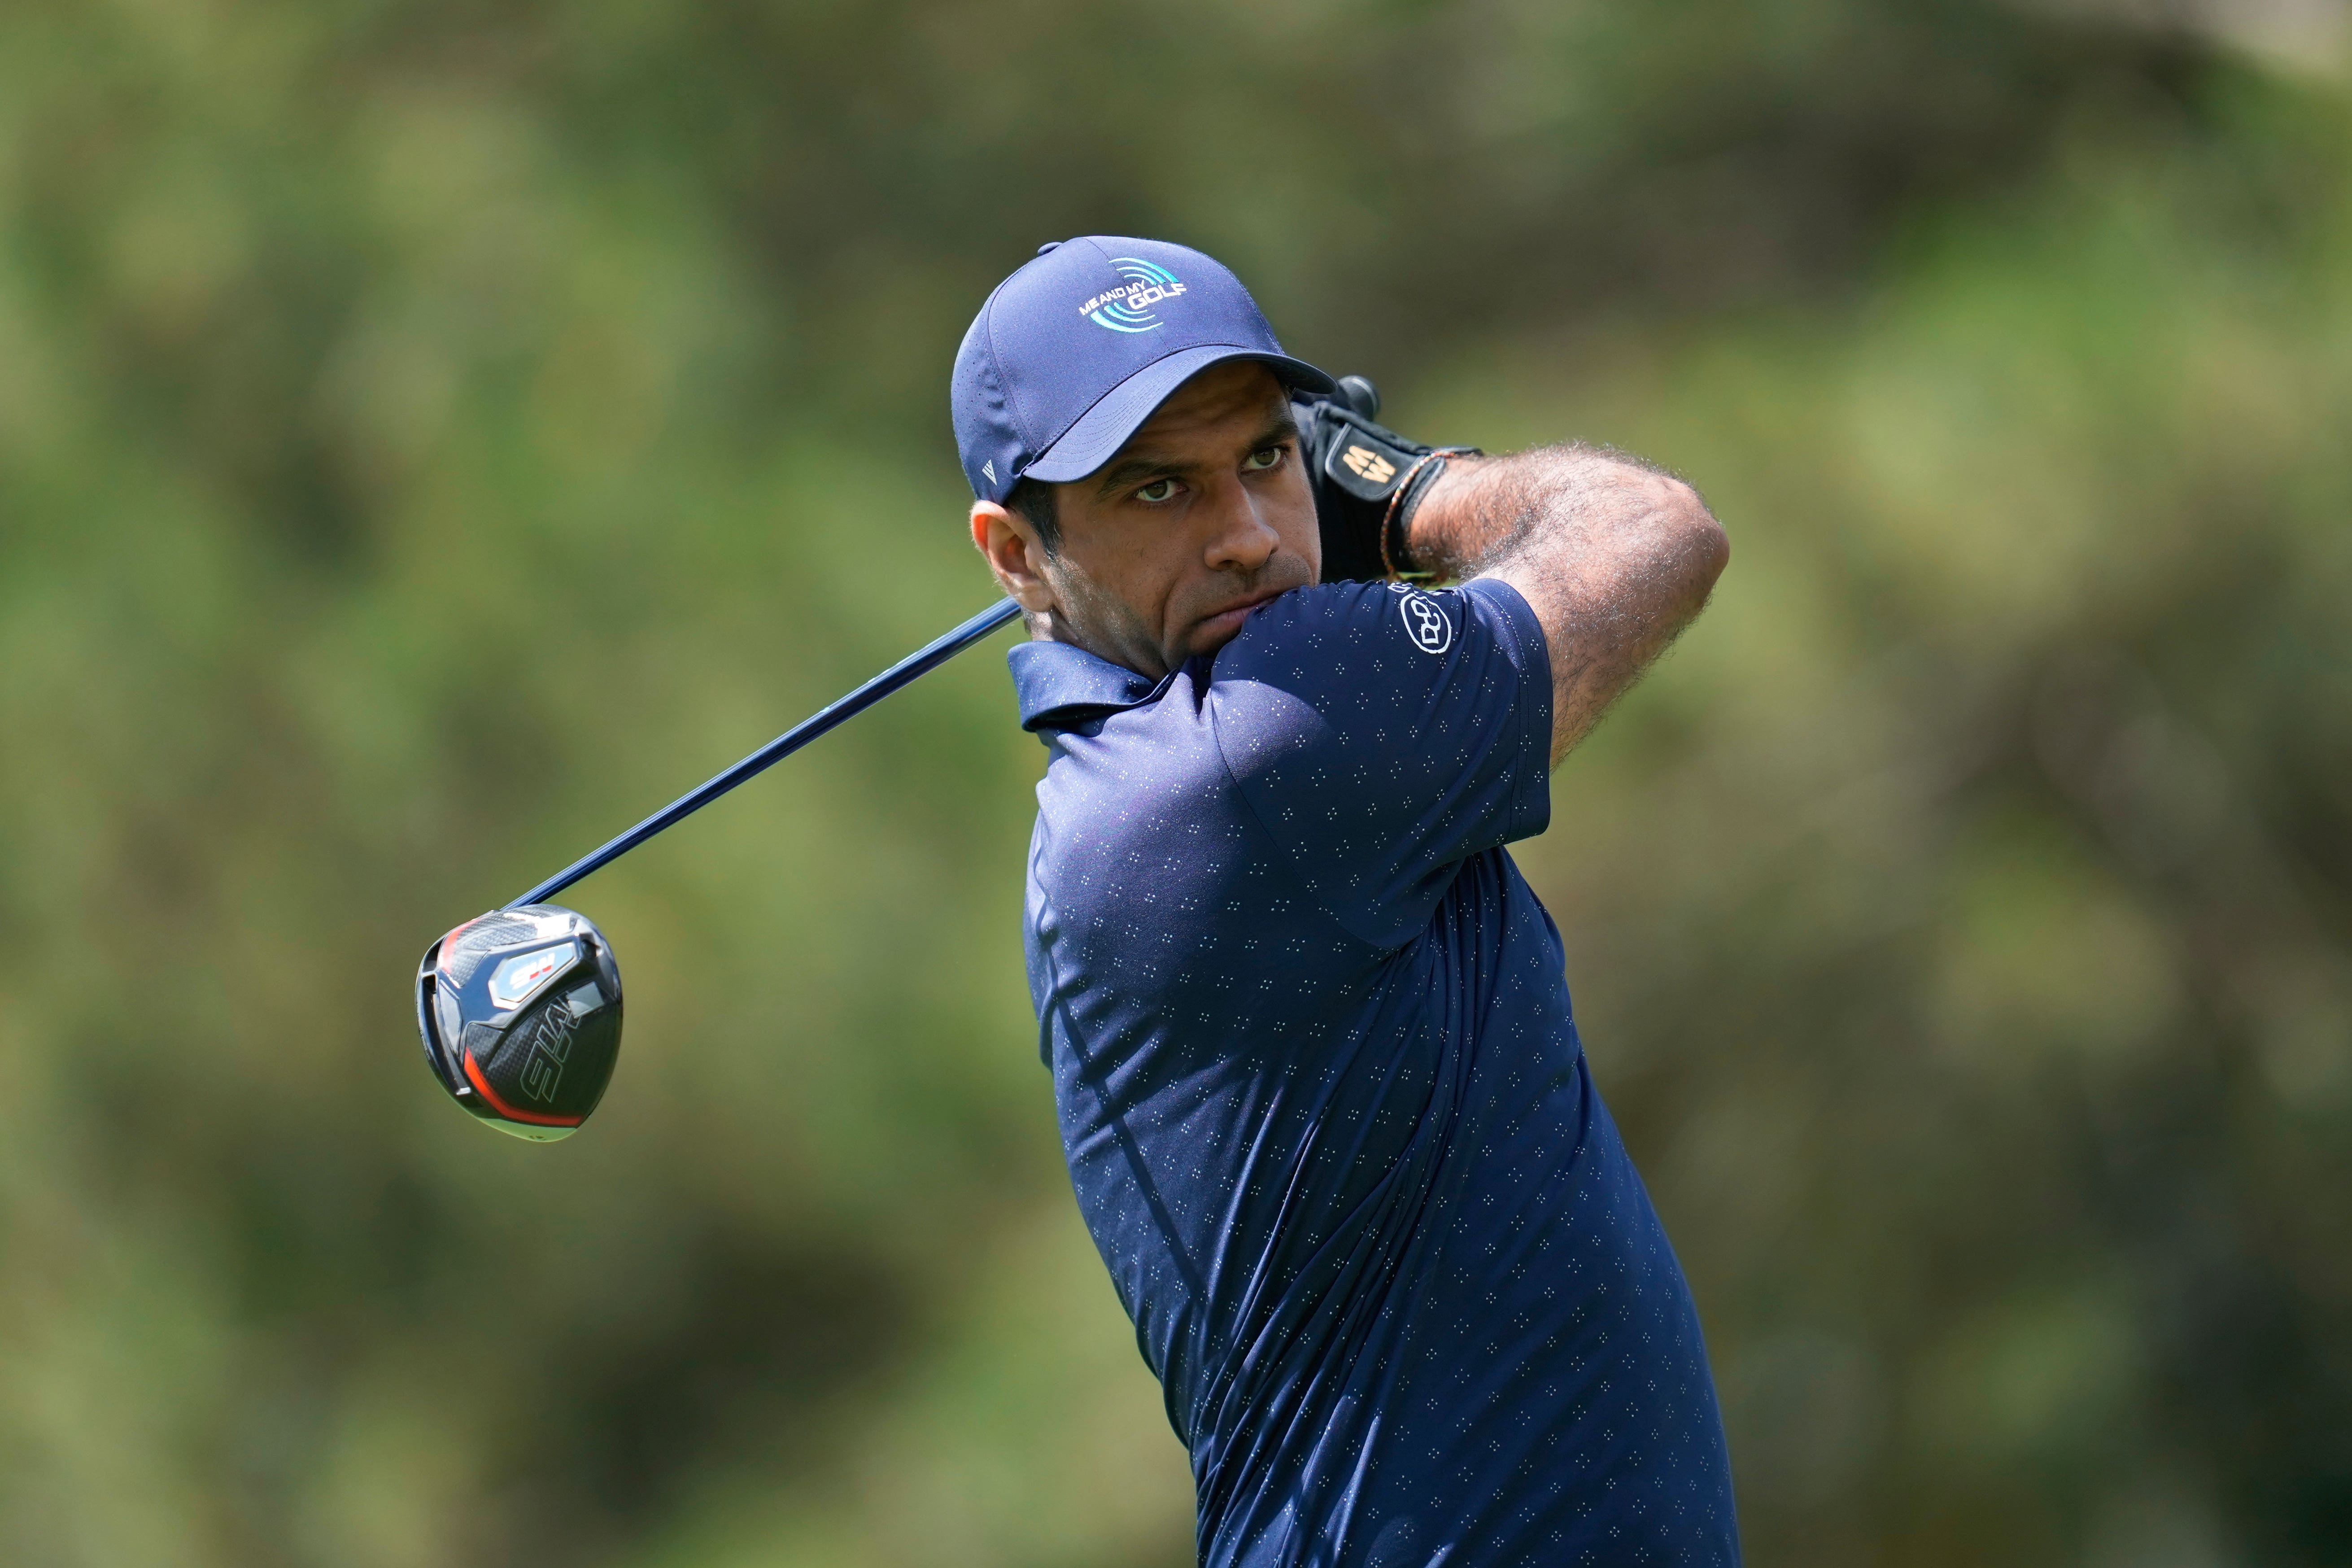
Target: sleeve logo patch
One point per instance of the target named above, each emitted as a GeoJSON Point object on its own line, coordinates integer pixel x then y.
{"type": "Point", "coordinates": [1425, 621]}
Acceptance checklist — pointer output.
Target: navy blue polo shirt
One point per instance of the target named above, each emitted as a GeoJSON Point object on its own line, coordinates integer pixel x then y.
{"type": "Point", "coordinates": [1326, 1110]}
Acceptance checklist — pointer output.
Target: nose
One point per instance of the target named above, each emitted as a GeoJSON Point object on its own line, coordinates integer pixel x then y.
{"type": "Point", "coordinates": [1241, 540]}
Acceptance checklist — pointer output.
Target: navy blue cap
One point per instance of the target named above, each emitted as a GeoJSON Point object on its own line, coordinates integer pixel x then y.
{"type": "Point", "coordinates": [1072, 352]}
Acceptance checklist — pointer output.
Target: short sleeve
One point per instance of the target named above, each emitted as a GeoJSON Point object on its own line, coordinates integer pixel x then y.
{"type": "Point", "coordinates": [1384, 735]}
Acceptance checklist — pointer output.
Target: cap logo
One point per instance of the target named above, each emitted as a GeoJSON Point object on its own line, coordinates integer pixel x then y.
{"type": "Point", "coordinates": [988, 467]}
{"type": "Point", "coordinates": [1369, 464]}
{"type": "Point", "coordinates": [1128, 308]}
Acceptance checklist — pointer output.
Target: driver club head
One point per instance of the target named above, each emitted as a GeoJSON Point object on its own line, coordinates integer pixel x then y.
{"type": "Point", "coordinates": [521, 1011]}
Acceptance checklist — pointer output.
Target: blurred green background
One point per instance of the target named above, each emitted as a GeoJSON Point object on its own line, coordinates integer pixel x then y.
{"type": "Point", "coordinates": [433, 434]}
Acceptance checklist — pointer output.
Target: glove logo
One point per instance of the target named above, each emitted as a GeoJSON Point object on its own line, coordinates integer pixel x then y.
{"type": "Point", "coordinates": [1425, 621]}
{"type": "Point", "coordinates": [1369, 464]}
{"type": "Point", "coordinates": [1128, 308]}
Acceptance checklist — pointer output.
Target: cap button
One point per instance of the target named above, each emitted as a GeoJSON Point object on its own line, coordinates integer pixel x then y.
{"type": "Point", "coordinates": [1049, 244]}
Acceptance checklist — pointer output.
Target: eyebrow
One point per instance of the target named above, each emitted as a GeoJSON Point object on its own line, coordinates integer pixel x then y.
{"type": "Point", "coordinates": [1142, 470]}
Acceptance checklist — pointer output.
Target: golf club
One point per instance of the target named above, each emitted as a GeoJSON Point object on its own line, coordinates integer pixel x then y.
{"type": "Point", "coordinates": [520, 1008]}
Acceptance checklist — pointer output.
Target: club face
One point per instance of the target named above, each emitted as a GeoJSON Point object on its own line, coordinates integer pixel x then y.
{"type": "Point", "coordinates": [520, 1015]}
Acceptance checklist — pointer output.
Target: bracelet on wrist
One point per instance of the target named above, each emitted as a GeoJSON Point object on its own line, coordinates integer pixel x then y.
{"type": "Point", "coordinates": [1396, 557]}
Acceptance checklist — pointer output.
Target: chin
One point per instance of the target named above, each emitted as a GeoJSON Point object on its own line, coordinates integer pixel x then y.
{"type": "Point", "coordinates": [1208, 642]}
{"type": "Point", "coordinates": [1208, 636]}
{"type": "Point", "coordinates": [1209, 633]}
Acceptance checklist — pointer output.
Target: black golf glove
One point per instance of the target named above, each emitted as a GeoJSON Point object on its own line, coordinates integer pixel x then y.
{"type": "Point", "coordinates": [1367, 480]}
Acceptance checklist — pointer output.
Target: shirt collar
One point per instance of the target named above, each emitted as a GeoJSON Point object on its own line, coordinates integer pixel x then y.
{"type": "Point", "coordinates": [1060, 685]}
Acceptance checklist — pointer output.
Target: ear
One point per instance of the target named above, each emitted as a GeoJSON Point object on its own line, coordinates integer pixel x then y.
{"type": "Point", "coordinates": [1015, 553]}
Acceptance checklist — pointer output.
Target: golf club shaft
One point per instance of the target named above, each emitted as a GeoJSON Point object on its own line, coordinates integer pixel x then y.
{"type": "Point", "coordinates": [928, 658]}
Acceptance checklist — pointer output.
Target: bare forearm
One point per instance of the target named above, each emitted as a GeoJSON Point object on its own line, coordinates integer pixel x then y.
{"type": "Point", "coordinates": [1614, 557]}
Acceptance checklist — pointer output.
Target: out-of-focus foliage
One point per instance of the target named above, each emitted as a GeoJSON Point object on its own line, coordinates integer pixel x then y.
{"type": "Point", "coordinates": [431, 434]}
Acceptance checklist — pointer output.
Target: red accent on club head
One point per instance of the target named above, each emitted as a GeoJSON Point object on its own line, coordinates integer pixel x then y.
{"type": "Point", "coordinates": [529, 1118]}
{"type": "Point", "coordinates": [441, 962]}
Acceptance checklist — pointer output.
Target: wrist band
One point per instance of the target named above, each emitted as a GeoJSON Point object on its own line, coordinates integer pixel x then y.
{"type": "Point", "coordinates": [1395, 559]}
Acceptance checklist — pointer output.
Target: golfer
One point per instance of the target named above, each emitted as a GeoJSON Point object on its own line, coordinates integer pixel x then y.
{"type": "Point", "coordinates": [1322, 1096]}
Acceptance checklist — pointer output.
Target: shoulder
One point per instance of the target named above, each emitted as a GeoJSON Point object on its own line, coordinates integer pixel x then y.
{"type": "Point", "coordinates": [1330, 623]}
{"type": "Point", "coordinates": [1360, 630]}
{"type": "Point", "coordinates": [1343, 653]}
{"type": "Point", "coordinates": [1342, 678]}
{"type": "Point", "coordinates": [1311, 678]}
{"type": "Point", "coordinates": [1140, 810]}
{"type": "Point", "coordinates": [1135, 766]}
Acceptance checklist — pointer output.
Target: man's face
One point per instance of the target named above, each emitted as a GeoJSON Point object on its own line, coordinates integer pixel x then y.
{"type": "Point", "coordinates": [1204, 514]}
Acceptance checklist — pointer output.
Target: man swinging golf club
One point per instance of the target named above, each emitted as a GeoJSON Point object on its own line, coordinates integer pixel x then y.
{"type": "Point", "coordinates": [1321, 1094]}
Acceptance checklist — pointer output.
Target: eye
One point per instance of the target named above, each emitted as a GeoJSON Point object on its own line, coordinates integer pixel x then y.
{"type": "Point", "coordinates": [1158, 490]}
{"type": "Point", "coordinates": [1265, 458]}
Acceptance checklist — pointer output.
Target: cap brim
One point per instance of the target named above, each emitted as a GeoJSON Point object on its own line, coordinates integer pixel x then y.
{"type": "Point", "coordinates": [1103, 429]}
